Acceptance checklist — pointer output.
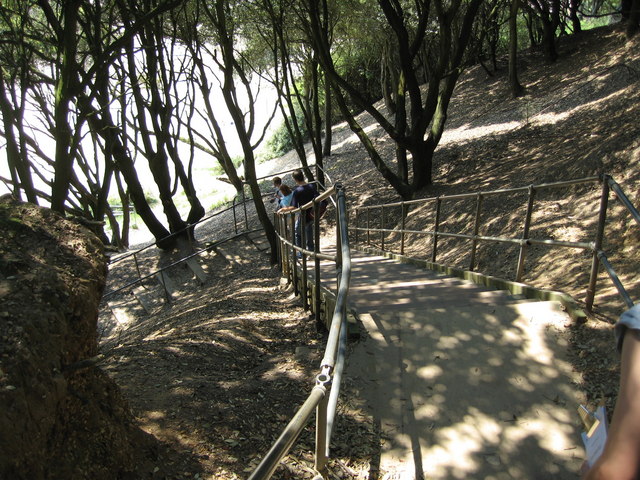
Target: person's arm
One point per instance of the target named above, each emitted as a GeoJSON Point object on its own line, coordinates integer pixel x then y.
{"type": "Point", "coordinates": [621, 457]}
{"type": "Point", "coordinates": [286, 209]}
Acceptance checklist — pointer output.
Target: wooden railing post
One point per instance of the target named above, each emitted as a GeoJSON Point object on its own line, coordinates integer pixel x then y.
{"type": "Point", "coordinates": [476, 230]}
{"type": "Point", "coordinates": [382, 222]}
{"type": "Point", "coordinates": [525, 234]}
{"type": "Point", "coordinates": [435, 230]}
{"type": "Point", "coordinates": [368, 227]}
{"type": "Point", "coordinates": [595, 261]}
{"type": "Point", "coordinates": [404, 214]}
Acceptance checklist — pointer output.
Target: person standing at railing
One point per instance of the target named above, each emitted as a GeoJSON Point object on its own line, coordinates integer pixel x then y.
{"type": "Point", "coordinates": [302, 194]}
{"type": "Point", "coordinates": [621, 457]}
{"type": "Point", "coordinates": [277, 196]}
{"type": "Point", "coordinates": [287, 195]}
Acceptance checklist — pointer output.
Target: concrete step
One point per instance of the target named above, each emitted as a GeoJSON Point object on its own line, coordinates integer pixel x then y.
{"type": "Point", "coordinates": [164, 279]}
{"type": "Point", "coordinates": [196, 268]}
{"type": "Point", "coordinates": [259, 239]}
{"type": "Point", "coordinates": [151, 298]}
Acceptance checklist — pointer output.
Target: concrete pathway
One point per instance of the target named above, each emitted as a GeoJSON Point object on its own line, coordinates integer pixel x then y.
{"type": "Point", "coordinates": [463, 382]}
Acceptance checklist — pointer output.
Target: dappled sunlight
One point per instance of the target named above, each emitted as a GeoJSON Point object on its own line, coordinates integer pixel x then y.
{"type": "Point", "coordinates": [476, 385]}
{"type": "Point", "coordinates": [351, 139]}
{"type": "Point", "coordinates": [467, 133]}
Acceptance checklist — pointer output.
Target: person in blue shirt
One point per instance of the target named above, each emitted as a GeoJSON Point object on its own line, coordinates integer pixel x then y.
{"type": "Point", "coordinates": [287, 195]}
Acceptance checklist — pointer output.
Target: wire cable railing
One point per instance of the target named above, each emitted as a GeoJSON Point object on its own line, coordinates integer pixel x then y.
{"type": "Point", "coordinates": [323, 397]}
{"type": "Point", "coordinates": [365, 231]}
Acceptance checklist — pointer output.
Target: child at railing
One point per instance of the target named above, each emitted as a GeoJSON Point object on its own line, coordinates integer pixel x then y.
{"type": "Point", "coordinates": [287, 195]}
{"type": "Point", "coordinates": [277, 196]}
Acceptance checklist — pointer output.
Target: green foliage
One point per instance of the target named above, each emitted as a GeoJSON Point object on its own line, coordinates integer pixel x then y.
{"type": "Point", "coordinates": [151, 199]}
{"type": "Point", "coordinates": [281, 141]}
{"type": "Point", "coordinates": [217, 170]}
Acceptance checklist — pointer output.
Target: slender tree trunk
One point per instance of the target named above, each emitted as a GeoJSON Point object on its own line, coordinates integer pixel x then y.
{"type": "Point", "coordinates": [633, 20]}
{"type": "Point", "coordinates": [230, 97]}
{"type": "Point", "coordinates": [101, 122]}
{"type": "Point", "coordinates": [574, 6]}
{"type": "Point", "coordinates": [516, 88]}
{"type": "Point", "coordinates": [18, 164]}
{"type": "Point", "coordinates": [62, 130]}
{"type": "Point", "coordinates": [404, 190]}
{"type": "Point", "coordinates": [388, 79]}
{"type": "Point", "coordinates": [317, 120]}
{"type": "Point", "coordinates": [328, 120]}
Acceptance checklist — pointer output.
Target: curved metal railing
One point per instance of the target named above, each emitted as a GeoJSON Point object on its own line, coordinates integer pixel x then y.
{"type": "Point", "coordinates": [324, 395]}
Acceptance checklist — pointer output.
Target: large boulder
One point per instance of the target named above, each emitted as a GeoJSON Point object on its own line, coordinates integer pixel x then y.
{"type": "Point", "coordinates": [60, 415]}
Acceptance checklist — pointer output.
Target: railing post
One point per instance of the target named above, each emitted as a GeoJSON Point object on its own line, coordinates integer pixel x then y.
{"type": "Point", "coordinates": [595, 262]}
{"type": "Point", "coordinates": [164, 286]}
{"type": "Point", "coordinates": [476, 230]}
{"type": "Point", "coordinates": [404, 214]}
{"type": "Point", "coordinates": [316, 248]}
{"type": "Point", "coordinates": [525, 234]}
{"type": "Point", "coordinates": [286, 249]}
{"type": "Point", "coordinates": [357, 226]}
{"type": "Point", "coordinates": [435, 230]}
{"type": "Point", "coordinates": [303, 244]}
{"type": "Point", "coordinates": [321, 427]}
{"type": "Point", "coordinates": [189, 236]}
{"type": "Point", "coordinates": [382, 228]}
{"type": "Point", "coordinates": [368, 227]}
{"type": "Point", "coordinates": [235, 218]}
{"type": "Point", "coordinates": [244, 205]}
{"type": "Point", "coordinates": [279, 251]}
{"type": "Point", "coordinates": [294, 265]}
{"type": "Point", "coordinates": [135, 259]}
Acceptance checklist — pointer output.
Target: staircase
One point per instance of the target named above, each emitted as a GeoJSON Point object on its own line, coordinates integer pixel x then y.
{"type": "Point", "coordinates": [172, 275]}
{"type": "Point", "coordinates": [460, 380]}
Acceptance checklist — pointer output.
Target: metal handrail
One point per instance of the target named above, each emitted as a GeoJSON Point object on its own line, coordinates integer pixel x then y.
{"type": "Point", "coordinates": [332, 364]}
{"type": "Point", "coordinates": [461, 196]}
{"type": "Point", "coordinates": [595, 246]}
{"type": "Point", "coordinates": [204, 219]}
{"type": "Point", "coordinates": [176, 263]}
{"type": "Point", "coordinates": [622, 197]}
{"type": "Point", "coordinates": [188, 228]}
{"type": "Point", "coordinates": [185, 229]}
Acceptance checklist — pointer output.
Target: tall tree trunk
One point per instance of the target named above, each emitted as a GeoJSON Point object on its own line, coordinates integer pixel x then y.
{"type": "Point", "coordinates": [230, 97]}
{"type": "Point", "coordinates": [101, 122]}
{"type": "Point", "coordinates": [156, 158]}
{"type": "Point", "coordinates": [316, 119]}
{"type": "Point", "coordinates": [404, 190]}
{"type": "Point", "coordinates": [63, 94]}
{"type": "Point", "coordinates": [16, 158]}
{"type": "Point", "coordinates": [388, 79]}
{"type": "Point", "coordinates": [633, 19]}
{"type": "Point", "coordinates": [574, 6]}
{"type": "Point", "coordinates": [328, 120]}
{"type": "Point", "coordinates": [516, 88]}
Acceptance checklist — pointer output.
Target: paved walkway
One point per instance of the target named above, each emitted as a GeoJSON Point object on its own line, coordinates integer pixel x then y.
{"type": "Point", "coordinates": [462, 382]}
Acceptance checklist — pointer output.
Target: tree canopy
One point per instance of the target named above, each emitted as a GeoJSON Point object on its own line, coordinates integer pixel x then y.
{"type": "Point", "coordinates": [91, 91]}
